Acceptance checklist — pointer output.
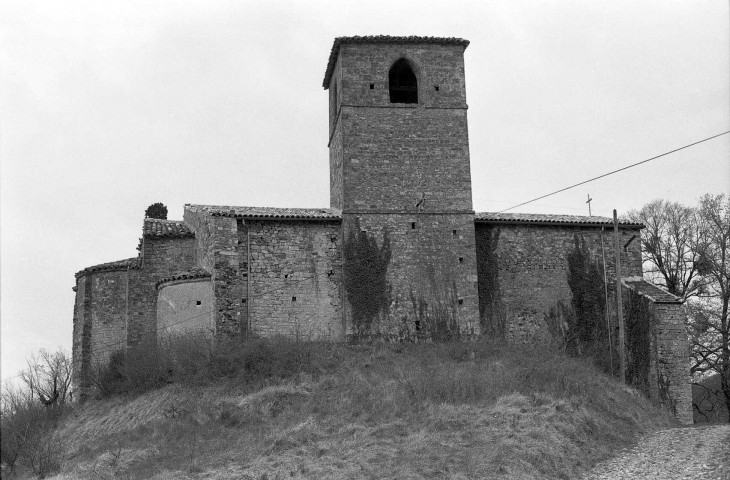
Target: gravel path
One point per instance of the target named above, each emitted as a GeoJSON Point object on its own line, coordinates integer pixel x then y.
{"type": "Point", "coordinates": [679, 453]}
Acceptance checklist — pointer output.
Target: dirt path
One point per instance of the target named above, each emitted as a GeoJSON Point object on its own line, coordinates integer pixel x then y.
{"type": "Point", "coordinates": [678, 453]}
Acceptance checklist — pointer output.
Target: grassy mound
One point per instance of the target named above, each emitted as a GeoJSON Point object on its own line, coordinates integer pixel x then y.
{"type": "Point", "coordinates": [462, 410]}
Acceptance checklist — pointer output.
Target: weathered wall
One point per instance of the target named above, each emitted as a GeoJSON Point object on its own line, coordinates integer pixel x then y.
{"type": "Point", "coordinates": [100, 315]}
{"type": "Point", "coordinates": [402, 171]}
{"type": "Point", "coordinates": [527, 267]}
{"type": "Point", "coordinates": [109, 314]}
{"type": "Point", "coordinates": [295, 274]}
{"type": "Point", "coordinates": [430, 283]}
{"type": "Point", "coordinates": [161, 257]}
{"type": "Point", "coordinates": [186, 305]}
{"type": "Point", "coordinates": [220, 248]}
{"type": "Point", "coordinates": [669, 370]}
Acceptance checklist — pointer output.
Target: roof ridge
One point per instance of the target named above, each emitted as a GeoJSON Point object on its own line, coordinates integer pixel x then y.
{"type": "Point", "coordinates": [132, 263]}
{"type": "Point", "coordinates": [547, 218]}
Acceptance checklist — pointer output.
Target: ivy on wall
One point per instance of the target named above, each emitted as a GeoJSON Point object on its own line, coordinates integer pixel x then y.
{"type": "Point", "coordinates": [639, 326]}
{"type": "Point", "coordinates": [437, 320]}
{"type": "Point", "coordinates": [580, 327]}
{"type": "Point", "coordinates": [365, 269]}
{"type": "Point", "coordinates": [491, 310]}
{"type": "Point", "coordinates": [585, 280]}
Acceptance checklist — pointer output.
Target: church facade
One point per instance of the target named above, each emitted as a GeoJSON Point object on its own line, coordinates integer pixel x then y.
{"type": "Point", "coordinates": [399, 254]}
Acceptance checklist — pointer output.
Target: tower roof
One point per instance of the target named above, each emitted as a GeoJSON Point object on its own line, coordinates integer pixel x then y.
{"type": "Point", "coordinates": [383, 39]}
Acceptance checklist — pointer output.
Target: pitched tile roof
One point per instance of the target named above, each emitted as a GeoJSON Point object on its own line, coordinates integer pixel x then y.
{"type": "Point", "coordinates": [534, 218]}
{"type": "Point", "coordinates": [132, 263]}
{"type": "Point", "coordinates": [189, 275]}
{"type": "Point", "coordinates": [382, 39]}
{"type": "Point", "coordinates": [154, 227]}
{"type": "Point", "coordinates": [653, 292]}
{"type": "Point", "coordinates": [269, 213]}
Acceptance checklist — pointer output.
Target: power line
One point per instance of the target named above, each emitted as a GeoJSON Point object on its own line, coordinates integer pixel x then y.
{"type": "Point", "coordinates": [616, 171]}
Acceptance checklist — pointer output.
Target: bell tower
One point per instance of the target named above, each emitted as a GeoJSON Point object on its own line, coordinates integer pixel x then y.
{"type": "Point", "coordinates": [399, 171]}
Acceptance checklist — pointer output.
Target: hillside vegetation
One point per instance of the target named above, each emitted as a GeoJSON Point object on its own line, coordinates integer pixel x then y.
{"type": "Point", "coordinates": [287, 409]}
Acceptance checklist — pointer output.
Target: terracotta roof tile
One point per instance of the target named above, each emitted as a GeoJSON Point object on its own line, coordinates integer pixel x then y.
{"type": "Point", "coordinates": [382, 39]}
{"type": "Point", "coordinates": [154, 227]}
{"type": "Point", "coordinates": [189, 275]}
{"type": "Point", "coordinates": [649, 290]}
{"type": "Point", "coordinates": [269, 213]}
{"type": "Point", "coordinates": [132, 263]}
{"type": "Point", "coordinates": [534, 218]}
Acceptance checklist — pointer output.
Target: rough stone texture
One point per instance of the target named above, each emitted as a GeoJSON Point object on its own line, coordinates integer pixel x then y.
{"type": "Point", "coordinates": [116, 303]}
{"type": "Point", "coordinates": [160, 257]}
{"type": "Point", "coordinates": [395, 165]}
{"type": "Point", "coordinates": [397, 171]}
{"type": "Point", "coordinates": [532, 269]}
{"type": "Point", "coordinates": [430, 263]}
{"type": "Point", "coordinates": [669, 377]}
{"type": "Point", "coordinates": [184, 306]}
{"type": "Point", "coordinates": [220, 248]}
{"type": "Point", "coordinates": [295, 275]}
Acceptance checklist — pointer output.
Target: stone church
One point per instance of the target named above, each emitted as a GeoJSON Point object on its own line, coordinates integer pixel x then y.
{"type": "Point", "coordinates": [399, 254]}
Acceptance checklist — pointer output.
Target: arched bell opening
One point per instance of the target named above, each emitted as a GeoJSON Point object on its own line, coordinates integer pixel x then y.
{"type": "Point", "coordinates": [402, 83]}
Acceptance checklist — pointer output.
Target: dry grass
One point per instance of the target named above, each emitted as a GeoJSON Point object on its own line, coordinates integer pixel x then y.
{"type": "Point", "coordinates": [398, 411]}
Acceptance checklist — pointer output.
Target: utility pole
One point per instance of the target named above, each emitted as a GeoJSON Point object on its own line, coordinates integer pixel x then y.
{"type": "Point", "coordinates": [619, 302]}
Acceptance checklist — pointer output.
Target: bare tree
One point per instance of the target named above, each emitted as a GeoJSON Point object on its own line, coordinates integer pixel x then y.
{"type": "Point", "coordinates": [48, 377]}
{"type": "Point", "coordinates": [710, 325]}
{"type": "Point", "coordinates": [669, 246]}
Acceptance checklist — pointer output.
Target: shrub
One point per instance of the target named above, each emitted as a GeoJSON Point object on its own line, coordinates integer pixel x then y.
{"type": "Point", "coordinates": [197, 358]}
{"type": "Point", "coordinates": [29, 441]}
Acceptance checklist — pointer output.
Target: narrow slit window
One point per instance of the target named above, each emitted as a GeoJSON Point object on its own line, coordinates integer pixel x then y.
{"type": "Point", "coordinates": [413, 225]}
{"type": "Point", "coordinates": [461, 259]}
{"type": "Point", "coordinates": [402, 83]}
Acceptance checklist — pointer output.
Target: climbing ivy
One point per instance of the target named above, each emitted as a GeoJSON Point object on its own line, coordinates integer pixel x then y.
{"type": "Point", "coordinates": [365, 269]}
{"type": "Point", "coordinates": [436, 320]}
{"type": "Point", "coordinates": [588, 301]}
{"type": "Point", "coordinates": [491, 310]}
{"type": "Point", "coordinates": [639, 326]}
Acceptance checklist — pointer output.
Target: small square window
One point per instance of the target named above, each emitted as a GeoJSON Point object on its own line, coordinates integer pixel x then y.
{"type": "Point", "coordinates": [436, 87]}
{"type": "Point", "coordinates": [372, 86]}
{"type": "Point", "coordinates": [198, 302]}
{"type": "Point", "coordinates": [461, 259]}
{"type": "Point", "coordinates": [293, 299]}
{"type": "Point", "coordinates": [461, 301]}
{"type": "Point", "coordinates": [243, 300]}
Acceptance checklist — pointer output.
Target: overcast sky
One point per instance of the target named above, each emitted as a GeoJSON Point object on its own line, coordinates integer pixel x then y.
{"type": "Point", "coordinates": [107, 107]}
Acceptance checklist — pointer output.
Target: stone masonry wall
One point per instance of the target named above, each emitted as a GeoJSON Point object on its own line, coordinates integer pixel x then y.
{"type": "Point", "coordinates": [161, 257]}
{"type": "Point", "coordinates": [220, 248]}
{"type": "Point", "coordinates": [296, 276]}
{"type": "Point", "coordinates": [184, 306]}
{"type": "Point", "coordinates": [81, 331]}
{"type": "Point", "coordinates": [109, 314]}
{"type": "Point", "coordinates": [431, 273]}
{"type": "Point", "coordinates": [669, 377]}
{"type": "Point", "coordinates": [532, 269]}
{"type": "Point", "coordinates": [100, 320]}
{"type": "Point", "coordinates": [403, 169]}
